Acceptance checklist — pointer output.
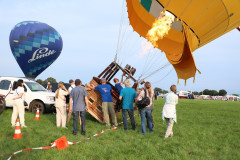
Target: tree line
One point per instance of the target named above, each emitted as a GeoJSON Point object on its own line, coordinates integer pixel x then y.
{"type": "Point", "coordinates": [221, 92]}
{"type": "Point", "coordinates": [49, 79]}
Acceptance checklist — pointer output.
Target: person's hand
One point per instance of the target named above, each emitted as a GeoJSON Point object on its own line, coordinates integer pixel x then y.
{"type": "Point", "coordinates": [70, 111]}
{"type": "Point", "coordinates": [14, 99]}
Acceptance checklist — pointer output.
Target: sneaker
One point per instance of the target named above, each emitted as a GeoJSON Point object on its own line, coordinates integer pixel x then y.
{"type": "Point", "coordinates": [24, 126]}
{"type": "Point", "coordinates": [83, 133]}
{"type": "Point", "coordinates": [65, 127]}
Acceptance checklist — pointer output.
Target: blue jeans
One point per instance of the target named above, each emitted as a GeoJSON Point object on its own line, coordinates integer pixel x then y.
{"type": "Point", "coordinates": [146, 112]}
{"type": "Point", "coordinates": [75, 121]}
{"type": "Point", "coordinates": [130, 113]}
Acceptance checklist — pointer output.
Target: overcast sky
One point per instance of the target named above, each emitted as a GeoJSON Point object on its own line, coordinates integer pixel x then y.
{"type": "Point", "coordinates": [90, 29]}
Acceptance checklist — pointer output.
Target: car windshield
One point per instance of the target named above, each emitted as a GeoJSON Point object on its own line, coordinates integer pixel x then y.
{"type": "Point", "coordinates": [35, 86]}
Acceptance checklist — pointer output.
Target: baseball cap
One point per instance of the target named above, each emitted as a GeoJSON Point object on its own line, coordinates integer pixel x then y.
{"type": "Point", "coordinates": [103, 79]}
{"type": "Point", "coordinates": [70, 81]}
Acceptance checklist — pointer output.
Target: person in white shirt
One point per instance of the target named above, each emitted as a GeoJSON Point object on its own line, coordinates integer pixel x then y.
{"type": "Point", "coordinates": [72, 85]}
{"type": "Point", "coordinates": [169, 110]}
{"type": "Point", "coordinates": [61, 92]}
{"type": "Point", "coordinates": [49, 87]}
{"type": "Point", "coordinates": [18, 104]}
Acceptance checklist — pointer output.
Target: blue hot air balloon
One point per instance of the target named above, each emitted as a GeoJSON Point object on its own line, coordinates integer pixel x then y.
{"type": "Point", "coordinates": [35, 46]}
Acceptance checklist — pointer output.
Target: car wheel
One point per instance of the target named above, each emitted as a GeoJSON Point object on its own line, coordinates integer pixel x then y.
{"type": "Point", "coordinates": [2, 104]}
{"type": "Point", "coordinates": [37, 104]}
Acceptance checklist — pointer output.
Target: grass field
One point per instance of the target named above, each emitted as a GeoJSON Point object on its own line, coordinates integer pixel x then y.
{"type": "Point", "coordinates": [205, 130]}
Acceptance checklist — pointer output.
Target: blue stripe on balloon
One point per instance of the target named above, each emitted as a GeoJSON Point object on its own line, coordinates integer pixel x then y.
{"type": "Point", "coordinates": [37, 45]}
{"type": "Point", "coordinates": [28, 48]}
{"type": "Point", "coordinates": [45, 37]}
{"type": "Point", "coordinates": [37, 40]}
{"type": "Point", "coordinates": [44, 42]}
{"type": "Point", "coordinates": [52, 39]}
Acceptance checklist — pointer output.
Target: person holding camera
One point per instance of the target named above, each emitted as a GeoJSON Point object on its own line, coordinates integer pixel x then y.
{"type": "Point", "coordinates": [145, 111]}
{"type": "Point", "coordinates": [61, 116]}
{"type": "Point", "coordinates": [169, 110]}
{"type": "Point", "coordinates": [18, 104]}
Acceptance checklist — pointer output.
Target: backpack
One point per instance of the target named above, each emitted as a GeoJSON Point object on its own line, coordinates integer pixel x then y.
{"type": "Point", "coordinates": [144, 102]}
{"type": "Point", "coordinates": [68, 96]}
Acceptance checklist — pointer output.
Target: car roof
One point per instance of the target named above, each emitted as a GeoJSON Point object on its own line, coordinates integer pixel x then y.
{"type": "Point", "coordinates": [16, 78]}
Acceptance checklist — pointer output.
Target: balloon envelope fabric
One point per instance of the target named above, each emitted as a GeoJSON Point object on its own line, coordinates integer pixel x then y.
{"type": "Point", "coordinates": [35, 46]}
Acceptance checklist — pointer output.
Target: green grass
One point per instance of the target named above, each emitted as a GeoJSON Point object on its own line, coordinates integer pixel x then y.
{"type": "Point", "coordinates": [205, 130]}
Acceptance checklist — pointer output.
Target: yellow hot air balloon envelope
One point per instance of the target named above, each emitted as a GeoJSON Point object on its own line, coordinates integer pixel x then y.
{"type": "Point", "coordinates": [197, 22]}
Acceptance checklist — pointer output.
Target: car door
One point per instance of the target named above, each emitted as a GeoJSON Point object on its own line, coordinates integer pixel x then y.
{"type": "Point", "coordinates": [6, 90]}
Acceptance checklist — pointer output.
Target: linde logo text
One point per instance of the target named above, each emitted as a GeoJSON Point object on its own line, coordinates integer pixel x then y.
{"type": "Point", "coordinates": [40, 53]}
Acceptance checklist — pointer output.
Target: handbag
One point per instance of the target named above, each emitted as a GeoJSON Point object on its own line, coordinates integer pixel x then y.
{"type": "Point", "coordinates": [144, 102]}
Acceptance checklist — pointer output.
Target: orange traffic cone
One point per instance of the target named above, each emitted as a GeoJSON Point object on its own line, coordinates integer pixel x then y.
{"type": "Point", "coordinates": [67, 107]}
{"type": "Point", "coordinates": [17, 133]}
{"type": "Point", "coordinates": [37, 115]}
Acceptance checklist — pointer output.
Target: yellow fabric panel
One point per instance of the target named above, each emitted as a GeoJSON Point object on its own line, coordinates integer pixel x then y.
{"type": "Point", "coordinates": [186, 67]}
{"type": "Point", "coordinates": [172, 44]}
{"type": "Point", "coordinates": [209, 19]}
{"type": "Point", "coordinates": [218, 31]}
{"type": "Point", "coordinates": [233, 7]}
{"type": "Point", "coordinates": [142, 21]}
{"type": "Point", "coordinates": [192, 39]}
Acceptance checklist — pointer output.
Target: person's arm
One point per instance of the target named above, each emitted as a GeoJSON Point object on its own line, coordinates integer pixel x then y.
{"type": "Point", "coordinates": [86, 101]}
{"type": "Point", "coordinates": [120, 98]}
{"type": "Point", "coordinates": [64, 88]}
{"type": "Point", "coordinates": [135, 96]}
{"type": "Point", "coordinates": [88, 88]}
{"type": "Point", "coordinates": [140, 95]}
{"type": "Point", "coordinates": [70, 103]}
{"type": "Point", "coordinates": [121, 82]}
{"type": "Point", "coordinates": [19, 96]}
{"type": "Point", "coordinates": [91, 86]}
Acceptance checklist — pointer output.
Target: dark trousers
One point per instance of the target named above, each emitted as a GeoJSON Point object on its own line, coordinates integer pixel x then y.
{"type": "Point", "coordinates": [75, 121]}
{"type": "Point", "coordinates": [130, 113]}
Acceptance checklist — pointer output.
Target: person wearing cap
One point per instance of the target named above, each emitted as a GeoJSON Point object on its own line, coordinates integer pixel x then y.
{"type": "Point", "coordinates": [107, 102]}
{"type": "Point", "coordinates": [128, 95]}
{"type": "Point", "coordinates": [72, 85]}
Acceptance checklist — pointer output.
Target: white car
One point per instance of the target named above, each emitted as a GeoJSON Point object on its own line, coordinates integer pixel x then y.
{"type": "Point", "coordinates": [36, 96]}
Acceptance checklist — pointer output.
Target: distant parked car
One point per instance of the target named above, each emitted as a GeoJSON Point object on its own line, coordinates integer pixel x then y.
{"type": "Point", "coordinates": [36, 96]}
